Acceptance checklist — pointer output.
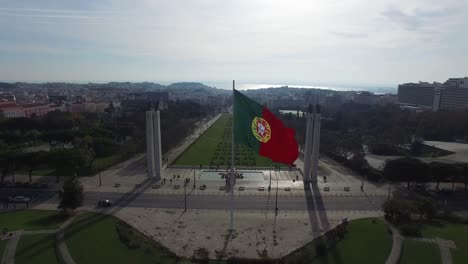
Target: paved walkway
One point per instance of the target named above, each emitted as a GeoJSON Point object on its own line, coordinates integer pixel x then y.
{"type": "Point", "coordinates": [61, 249]}
{"type": "Point", "coordinates": [394, 256]}
{"type": "Point", "coordinates": [9, 254]}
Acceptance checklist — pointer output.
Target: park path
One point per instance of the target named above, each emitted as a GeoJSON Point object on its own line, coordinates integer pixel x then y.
{"type": "Point", "coordinates": [9, 254]}
{"type": "Point", "coordinates": [394, 256]}
{"type": "Point", "coordinates": [63, 254]}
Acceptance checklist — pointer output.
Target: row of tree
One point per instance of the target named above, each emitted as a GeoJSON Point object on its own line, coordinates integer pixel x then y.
{"type": "Point", "coordinates": [409, 170]}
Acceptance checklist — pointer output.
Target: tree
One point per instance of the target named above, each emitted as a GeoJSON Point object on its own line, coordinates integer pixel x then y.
{"type": "Point", "coordinates": [425, 206]}
{"type": "Point", "coordinates": [442, 171]}
{"type": "Point", "coordinates": [398, 210]}
{"type": "Point", "coordinates": [71, 195]}
{"type": "Point", "coordinates": [32, 160]}
{"type": "Point", "coordinates": [406, 169]}
{"type": "Point", "coordinates": [9, 159]}
{"type": "Point", "coordinates": [464, 174]}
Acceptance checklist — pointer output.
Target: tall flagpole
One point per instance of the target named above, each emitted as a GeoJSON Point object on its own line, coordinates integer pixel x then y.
{"type": "Point", "coordinates": [232, 158]}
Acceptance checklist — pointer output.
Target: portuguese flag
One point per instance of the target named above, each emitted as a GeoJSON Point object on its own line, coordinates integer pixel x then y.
{"type": "Point", "coordinates": [256, 127]}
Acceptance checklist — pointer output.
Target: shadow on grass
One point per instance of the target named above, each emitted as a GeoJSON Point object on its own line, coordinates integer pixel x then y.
{"type": "Point", "coordinates": [31, 251]}
{"type": "Point", "coordinates": [319, 224]}
{"type": "Point", "coordinates": [49, 220]}
{"type": "Point", "coordinates": [76, 227]}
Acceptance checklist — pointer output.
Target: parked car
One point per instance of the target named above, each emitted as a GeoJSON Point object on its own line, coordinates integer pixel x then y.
{"type": "Point", "coordinates": [19, 199]}
{"type": "Point", "coordinates": [104, 203]}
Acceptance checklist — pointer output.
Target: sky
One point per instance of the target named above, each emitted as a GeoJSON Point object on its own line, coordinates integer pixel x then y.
{"type": "Point", "coordinates": [335, 42]}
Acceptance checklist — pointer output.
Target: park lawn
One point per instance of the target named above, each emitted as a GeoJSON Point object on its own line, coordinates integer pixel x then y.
{"type": "Point", "coordinates": [105, 162]}
{"type": "Point", "coordinates": [450, 231]}
{"type": "Point", "coordinates": [420, 252]}
{"type": "Point", "coordinates": [366, 241]}
{"type": "Point", "coordinates": [202, 151]}
{"type": "Point", "coordinates": [97, 238]}
{"type": "Point", "coordinates": [39, 172]}
{"type": "Point", "coordinates": [32, 220]}
{"type": "Point", "coordinates": [38, 249]}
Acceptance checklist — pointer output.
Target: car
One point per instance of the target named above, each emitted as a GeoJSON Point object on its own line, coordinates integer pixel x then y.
{"type": "Point", "coordinates": [104, 203]}
{"type": "Point", "coordinates": [19, 199]}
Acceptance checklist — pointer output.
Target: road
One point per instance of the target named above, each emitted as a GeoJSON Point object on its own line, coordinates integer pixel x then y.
{"type": "Point", "coordinates": [222, 202]}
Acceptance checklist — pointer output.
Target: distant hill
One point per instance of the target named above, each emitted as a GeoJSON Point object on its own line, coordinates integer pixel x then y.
{"type": "Point", "coordinates": [6, 85]}
{"type": "Point", "coordinates": [188, 85]}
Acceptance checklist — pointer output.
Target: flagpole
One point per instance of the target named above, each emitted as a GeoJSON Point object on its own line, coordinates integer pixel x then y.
{"type": "Point", "coordinates": [232, 158]}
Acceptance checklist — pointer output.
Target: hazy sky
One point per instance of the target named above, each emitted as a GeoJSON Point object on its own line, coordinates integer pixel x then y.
{"type": "Point", "coordinates": [369, 42]}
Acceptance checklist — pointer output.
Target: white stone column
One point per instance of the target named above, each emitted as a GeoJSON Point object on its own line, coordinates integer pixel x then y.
{"type": "Point", "coordinates": [308, 146]}
{"type": "Point", "coordinates": [157, 145]}
{"type": "Point", "coordinates": [149, 143]}
{"type": "Point", "coordinates": [316, 147]}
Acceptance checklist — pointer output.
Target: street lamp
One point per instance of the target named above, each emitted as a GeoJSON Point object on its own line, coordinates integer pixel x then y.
{"type": "Point", "coordinates": [193, 178]}
{"type": "Point", "coordinates": [389, 189]}
{"type": "Point", "coordinates": [185, 195]}
{"type": "Point", "coordinates": [100, 181]}
{"type": "Point", "coordinates": [269, 185]}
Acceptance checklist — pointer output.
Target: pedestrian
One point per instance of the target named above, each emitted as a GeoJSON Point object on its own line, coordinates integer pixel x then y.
{"type": "Point", "coordinates": [324, 178]}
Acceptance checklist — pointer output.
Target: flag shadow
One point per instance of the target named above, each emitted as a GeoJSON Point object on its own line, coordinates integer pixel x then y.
{"type": "Point", "coordinates": [319, 221]}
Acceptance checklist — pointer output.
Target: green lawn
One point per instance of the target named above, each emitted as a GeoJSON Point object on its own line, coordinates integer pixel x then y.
{"type": "Point", "coordinates": [95, 238]}
{"type": "Point", "coordinates": [366, 241]}
{"type": "Point", "coordinates": [451, 231]}
{"type": "Point", "coordinates": [31, 220]}
{"type": "Point", "coordinates": [420, 252]}
{"type": "Point", "coordinates": [38, 172]}
{"type": "Point", "coordinates": [214, 148]}
{"type": "Point", "coordinates": [103, 163]}
{"type": "Point", "coordinates": [36, 249]}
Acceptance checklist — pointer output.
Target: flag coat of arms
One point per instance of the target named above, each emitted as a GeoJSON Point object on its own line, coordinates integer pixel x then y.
{"type": "Point", "coordinates": [256, 127]}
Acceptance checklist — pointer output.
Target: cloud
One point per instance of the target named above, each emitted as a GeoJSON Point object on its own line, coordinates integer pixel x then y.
{"type": "Point", "coordinates": [350, 35]}
{"type": "Point", "coordinates": [418, 18]}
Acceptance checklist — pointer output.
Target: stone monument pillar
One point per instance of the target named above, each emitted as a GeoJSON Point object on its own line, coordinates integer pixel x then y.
{"type": "Point", "coordinates": [308, 146]}
{"type": "Point", "coordinates": [149, 143]}
{"type": "Point", "coordinates": [316, 145]}
{"type": "Point", "coordinates": [157, 145]}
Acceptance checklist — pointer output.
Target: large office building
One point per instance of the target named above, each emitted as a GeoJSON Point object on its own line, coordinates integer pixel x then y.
{"type": "Point", "coordinates": [420, 94]}
{"type": "Point", "coordinates": [451, 95]}
{"type": "Point", "coordinates": [455, 94]}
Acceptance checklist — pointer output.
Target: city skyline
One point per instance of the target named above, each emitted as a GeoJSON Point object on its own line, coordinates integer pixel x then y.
{"type": "Point", "coordinates": [303, 43]}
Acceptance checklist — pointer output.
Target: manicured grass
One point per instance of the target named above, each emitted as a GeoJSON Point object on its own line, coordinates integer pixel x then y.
{"type": "Point", "coordinates": [39, 172]}
{"type": "Point", "coordinates": [366, 241]}
{"type": "Point", "coordinates": [36, 249]}
{"type": "Point", "coordinates": [96, 238]}
{"type": "Point", "coordinates": [103, 163]}
{"type": "Point", "coordinates": [213, 148]}
{"type": "Point", "coordinates": [420, 252]}
{"type": "Point", "coordinates": [450, 231]}
{"type": "Point", "coordinates": [31, 220]}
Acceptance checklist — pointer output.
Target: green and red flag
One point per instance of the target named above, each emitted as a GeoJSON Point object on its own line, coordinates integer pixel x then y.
{"type": "Point", "coordinates": [256, 127]}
